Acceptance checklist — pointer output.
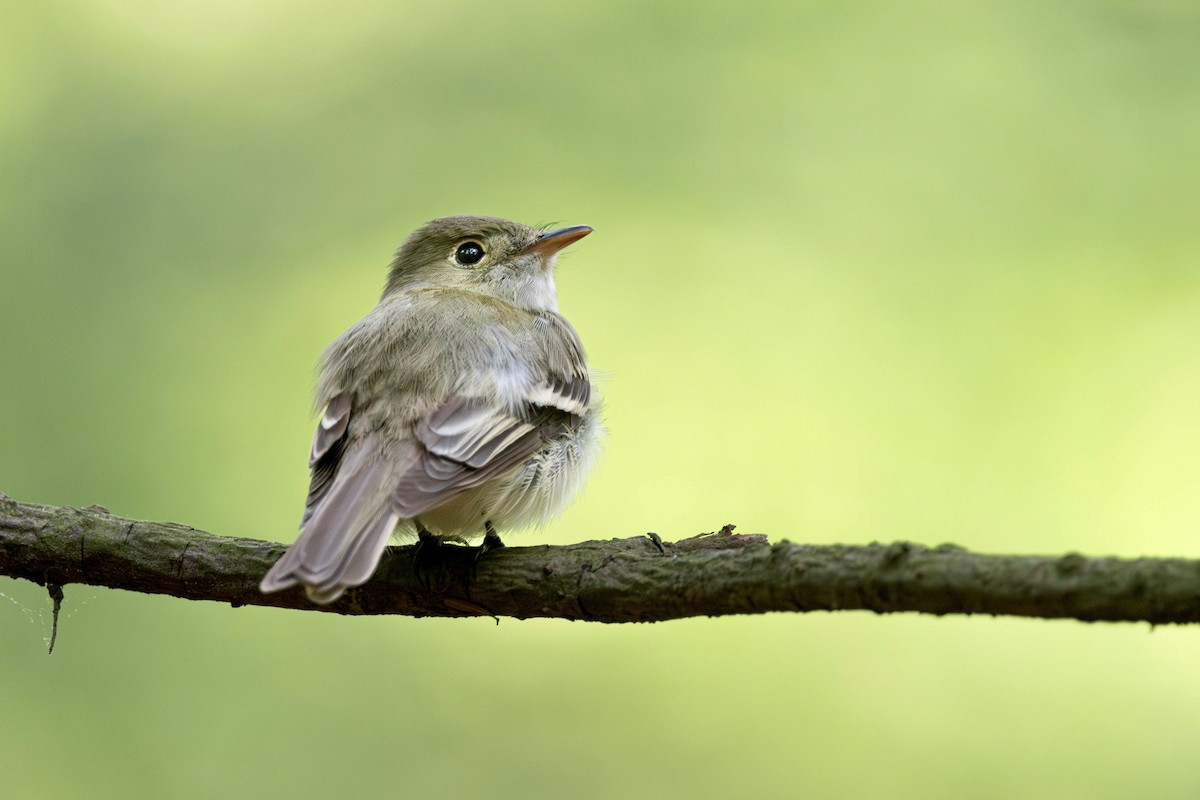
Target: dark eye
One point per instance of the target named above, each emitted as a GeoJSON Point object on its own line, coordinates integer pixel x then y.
{"type": "Point", "coordinates": [469, 253]}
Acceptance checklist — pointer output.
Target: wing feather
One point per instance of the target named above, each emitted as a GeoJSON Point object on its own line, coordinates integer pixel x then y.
{"type": "Point", "coordinates": [469, 440]}
{"type": "Point", "coordinates": [332, 428]}
{"type": "Point", "coordinates": [329, 443]}
{"type": "Point", "coordinates": [466, 442]}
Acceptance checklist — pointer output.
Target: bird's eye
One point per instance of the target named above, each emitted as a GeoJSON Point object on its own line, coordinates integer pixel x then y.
{"type": "Point", "coordinates": [469, 253]}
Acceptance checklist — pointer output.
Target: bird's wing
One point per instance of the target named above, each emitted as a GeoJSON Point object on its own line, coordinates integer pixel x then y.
{"type": "Point", "coordinates": [465, 443]}
{"type": "Point", "coordinates": [328, 445]}
{"type": "Point", "coordinates": [469, 440]}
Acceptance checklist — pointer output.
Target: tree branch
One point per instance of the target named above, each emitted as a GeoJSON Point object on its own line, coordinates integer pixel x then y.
{"type": "Point", "coordinates": [622, 580]}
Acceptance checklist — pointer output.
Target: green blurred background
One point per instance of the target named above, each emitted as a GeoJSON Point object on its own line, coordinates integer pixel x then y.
{"type": "Point", "coordinates": [861, 271]}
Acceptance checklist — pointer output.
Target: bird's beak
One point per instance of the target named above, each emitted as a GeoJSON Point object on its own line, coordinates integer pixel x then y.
{"type": "Point", "coordinates": [551, 242]}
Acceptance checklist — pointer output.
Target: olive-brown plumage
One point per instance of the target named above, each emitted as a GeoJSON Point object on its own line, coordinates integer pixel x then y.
{"type": "Point", "coordinates": [462, 401]}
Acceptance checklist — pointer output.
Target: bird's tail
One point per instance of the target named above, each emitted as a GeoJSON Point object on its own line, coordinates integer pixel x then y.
{"type": "Point", "coordinates": [342, 541]}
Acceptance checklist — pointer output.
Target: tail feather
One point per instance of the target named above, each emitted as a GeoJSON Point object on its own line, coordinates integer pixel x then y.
{"type": "Point", "coordinates": [341, 543]}
{"type": "Point", "coordinates": [359, 560]}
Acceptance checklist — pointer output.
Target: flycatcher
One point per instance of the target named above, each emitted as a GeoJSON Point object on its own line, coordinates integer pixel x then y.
{"type": "Point", "coordinates": [460, 404]}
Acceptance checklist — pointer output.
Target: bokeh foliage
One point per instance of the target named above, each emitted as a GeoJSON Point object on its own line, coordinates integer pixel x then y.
{"type": "Point", "coordinates": [861, 271]}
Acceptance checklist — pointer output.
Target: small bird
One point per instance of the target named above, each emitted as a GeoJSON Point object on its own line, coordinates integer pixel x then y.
{"type": "Point", "coordinates": [460, 404]}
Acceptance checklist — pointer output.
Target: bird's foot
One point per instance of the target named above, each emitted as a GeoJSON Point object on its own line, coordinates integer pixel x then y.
{"type": "Point", "coordinates": [491, 543]}
{"type": "Point", "coordinates": [426, 555]}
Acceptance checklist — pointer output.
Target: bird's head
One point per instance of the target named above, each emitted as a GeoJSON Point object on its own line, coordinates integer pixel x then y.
{"type": "Point", "coordinates": [496, 257]}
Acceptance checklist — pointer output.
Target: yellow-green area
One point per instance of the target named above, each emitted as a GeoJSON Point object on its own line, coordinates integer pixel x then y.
{"type": "Point", "coordinates": [861, 271]}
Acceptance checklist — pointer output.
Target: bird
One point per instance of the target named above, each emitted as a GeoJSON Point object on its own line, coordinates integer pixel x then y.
{"type": "Point", "coordinates": [461, 404]}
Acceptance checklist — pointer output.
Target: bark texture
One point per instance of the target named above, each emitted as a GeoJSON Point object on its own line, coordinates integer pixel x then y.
{"type": "Point", "coordinates": [640, 579]}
